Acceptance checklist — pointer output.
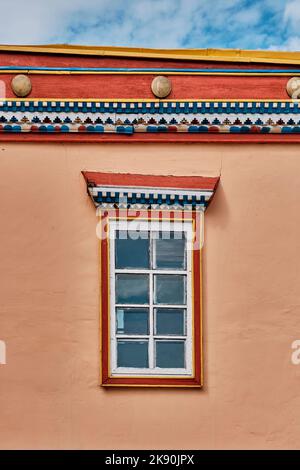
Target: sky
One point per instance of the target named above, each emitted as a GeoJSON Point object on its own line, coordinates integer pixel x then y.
{"type": "Point", "coordinates": [242, 24]}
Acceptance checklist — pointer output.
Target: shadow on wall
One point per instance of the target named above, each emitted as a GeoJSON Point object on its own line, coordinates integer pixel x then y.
{"type": "Point", "coordinates": [218, 211]}
{"type": "Point", "coordinates": [2, 352]}
{"type": "Point", "coordinates": [216, 221]}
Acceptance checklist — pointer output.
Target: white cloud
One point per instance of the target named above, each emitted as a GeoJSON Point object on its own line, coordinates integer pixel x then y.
{"type": "Point", "coordinates": [291, 15]}
{"type": "Point", "coordinates": [291, 44]}
{"type": "Point", "coordinates": [153, 23]}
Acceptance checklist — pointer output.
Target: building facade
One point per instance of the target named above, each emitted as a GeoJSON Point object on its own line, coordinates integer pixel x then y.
{"type": "Point", "coordinates": [151, 343]}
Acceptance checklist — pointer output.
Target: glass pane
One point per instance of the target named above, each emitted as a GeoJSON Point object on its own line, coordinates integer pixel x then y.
{"type": "Point", "coordinates": [170, 354]}
{"type": "Point", "coordinates": [132, 288]}
{"type": "Point", "coordinates": [132, 321]}
{"type": "Point", "coordinates": [170, 321]}
{"type": "Point", "coordinates": [132, 354]}
{"type": "Point", "coordinates": [169, 251]}
{"type": "Point", "coordinates": [169, 289]}
{"type": "Point", "coordinates": [132, 249]}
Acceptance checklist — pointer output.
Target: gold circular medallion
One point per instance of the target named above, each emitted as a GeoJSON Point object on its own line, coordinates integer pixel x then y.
{"type": "Point", "coordinates": [21, 85]}
{"type": "Point", "coordinates": [293, 87]}
{"type": "Point", "coordinates": [161, 86]}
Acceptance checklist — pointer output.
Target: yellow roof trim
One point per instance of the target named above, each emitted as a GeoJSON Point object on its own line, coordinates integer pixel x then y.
{"type": "Point", "coordinates": [227, 55]}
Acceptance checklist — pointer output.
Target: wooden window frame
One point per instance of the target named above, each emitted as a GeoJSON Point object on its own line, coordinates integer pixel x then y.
{"type": "Point", "coordinates": [108, 375]}
{"type": "Point", "coordinates": [152, 337]}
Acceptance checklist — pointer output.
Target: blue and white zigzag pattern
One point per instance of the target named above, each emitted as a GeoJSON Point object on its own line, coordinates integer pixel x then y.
{"type": "Point", "coordinates": [149, 198]}
{"type": "Point", "coordinates": [150, 117]}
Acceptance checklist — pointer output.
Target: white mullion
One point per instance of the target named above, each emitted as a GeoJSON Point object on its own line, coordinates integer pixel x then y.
{"type": "Point", "coordinates": [128, 371]}
{"type": "Point", "coordinates": [151, 322]}
{"type": "Point", "coordinates": [170, 337]}
{"type": "Point", "coordinates": [112, 313]}
{"type": "Point", "coordinates": [132, 305]}
{"type": "Point", "coordinates": [189, 306]}
{"type": "Point", "coordinates": [148, 271]}
{"type": "Point", "coordinates": [171, 306]}
{"type": "Point", "coordinates": [133, 336]}
{"type": "Point", "coordinates": [153, 248]}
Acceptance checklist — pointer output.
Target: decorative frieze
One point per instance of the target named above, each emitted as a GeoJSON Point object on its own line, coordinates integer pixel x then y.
{"type": "Point", "coordinates": [128, 117]}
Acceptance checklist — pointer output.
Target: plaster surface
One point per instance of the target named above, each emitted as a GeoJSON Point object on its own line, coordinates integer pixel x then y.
{"type": "Point", "coordinates": [49, 317]}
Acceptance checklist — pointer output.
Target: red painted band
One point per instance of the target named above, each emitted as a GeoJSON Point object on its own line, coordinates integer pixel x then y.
{"type": "Point", "coordinates": [126, 179]}
{"type": "Point", "coordinates": [186, 87]}
{"type": "Point", "coordinates": [153, 138]}
{"type": "Point", "coordinates": [10, 58]}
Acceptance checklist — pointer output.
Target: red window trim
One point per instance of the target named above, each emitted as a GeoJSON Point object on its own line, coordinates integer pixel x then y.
{"type": "Point", "coordinates": [106, 379]}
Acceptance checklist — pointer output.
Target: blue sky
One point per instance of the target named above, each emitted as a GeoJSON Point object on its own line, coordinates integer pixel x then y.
{"type": "Point", "coordinates": [244, 24]}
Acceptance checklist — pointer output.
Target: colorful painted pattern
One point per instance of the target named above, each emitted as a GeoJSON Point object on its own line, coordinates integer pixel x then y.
{"type": "Point", "coordinates": [280, 117]}
{"type": "Point", "coordinates": [149, 198]}
{"type": "Point", "coordinates": [149, 70]}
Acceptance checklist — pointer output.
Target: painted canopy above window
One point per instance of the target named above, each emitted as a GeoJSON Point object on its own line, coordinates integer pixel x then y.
{"type": "Point", "coordinates": [108, 190]}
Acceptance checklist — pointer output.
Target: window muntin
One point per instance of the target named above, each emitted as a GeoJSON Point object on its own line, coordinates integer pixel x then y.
{"type": "Point", "coordinates": [151, 299]}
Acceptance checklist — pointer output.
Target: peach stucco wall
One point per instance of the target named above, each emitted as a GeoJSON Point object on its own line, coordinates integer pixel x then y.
{"type": "Point", "coordinates": [49, 295]}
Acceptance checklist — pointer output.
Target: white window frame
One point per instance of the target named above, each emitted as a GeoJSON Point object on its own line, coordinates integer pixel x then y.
{"type": "Point", "coordinates": [152, 226]}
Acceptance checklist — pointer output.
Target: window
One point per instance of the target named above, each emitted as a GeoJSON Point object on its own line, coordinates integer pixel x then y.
{"type": "Point", "coordinates": [150, 298]}
{"type": "Point", "coordinates": [150, 273]}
